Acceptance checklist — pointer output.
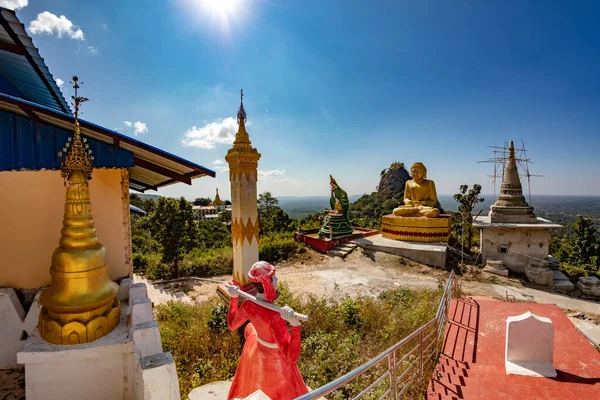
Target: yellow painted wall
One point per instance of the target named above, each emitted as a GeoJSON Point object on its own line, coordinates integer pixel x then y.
{"type": "Point", "coordinates": [31, 211]}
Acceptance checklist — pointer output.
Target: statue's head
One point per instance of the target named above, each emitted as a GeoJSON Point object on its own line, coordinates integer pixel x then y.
{"type": "Point", "coordinates": [332, 183]}
{"type": "Point", "coordinates": [262, 275]}
{"type": "Point", "coordinates": [418, 170]}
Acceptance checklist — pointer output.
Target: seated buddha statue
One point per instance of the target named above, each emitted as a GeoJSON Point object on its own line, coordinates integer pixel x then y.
{"type": "Point", "coordinates": [420, 197]}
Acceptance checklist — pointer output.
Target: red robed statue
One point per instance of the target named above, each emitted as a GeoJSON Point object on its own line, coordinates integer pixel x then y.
{"type": "Point", "coordinates": [268, 360]}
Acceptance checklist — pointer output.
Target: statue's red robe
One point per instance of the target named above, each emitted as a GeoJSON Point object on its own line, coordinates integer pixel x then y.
{"type": "Point", "coordinates": [268, 360]}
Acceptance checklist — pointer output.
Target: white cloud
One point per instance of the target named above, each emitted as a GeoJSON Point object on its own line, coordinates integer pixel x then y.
{"type": "Point", "coordinates": [14, 4]}
{"type": "Point", "coordinates": [272, 172]}
{"type": "Point", "coordinates": [218, 162]}
{"type": "Point", "coordinates": [139, 127]}
{"type": "Point", "coordinates": [221, 131]}
{"type": "Point", "coordinates": [93, 50]}
{"type": "Point", "coordinates": [59, 82]}
{"type": "Point", "coordinates": [47, 23]}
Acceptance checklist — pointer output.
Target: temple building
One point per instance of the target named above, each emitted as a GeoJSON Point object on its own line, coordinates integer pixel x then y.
{"type": "Point", "coordinates": [513, 238]}
{"type": "Point", "coordinates": [48, 200]}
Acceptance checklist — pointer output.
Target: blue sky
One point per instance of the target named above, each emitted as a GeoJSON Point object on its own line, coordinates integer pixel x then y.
{"type": "Point", "coordinates": [339, 87]}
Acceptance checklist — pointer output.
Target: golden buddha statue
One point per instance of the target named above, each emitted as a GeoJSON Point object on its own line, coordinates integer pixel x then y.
{"type": "Point", "coordinates": [420, 197]}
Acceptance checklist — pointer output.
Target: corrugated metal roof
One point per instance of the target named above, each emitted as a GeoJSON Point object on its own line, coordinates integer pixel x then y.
{"type": "Point", "coordinates": [29, 126]}
{"type": "Point", "coordinates": [29, 145]}
{"type": "Point", "coordinates": [22, 65]}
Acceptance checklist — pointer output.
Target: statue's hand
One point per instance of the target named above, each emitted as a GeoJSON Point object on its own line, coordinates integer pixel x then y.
{"type": "Point", "coordinates": [232, 290]}
{"type": "Point", "coordinates": [288, 314]}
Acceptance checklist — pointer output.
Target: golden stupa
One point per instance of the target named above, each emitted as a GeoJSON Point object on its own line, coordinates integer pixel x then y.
{"type": "Point", "coordinates": [81, 304]}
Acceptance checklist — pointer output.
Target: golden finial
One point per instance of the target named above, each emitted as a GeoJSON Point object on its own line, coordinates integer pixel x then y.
{"type": "Point", "coordinates": [77, 155]}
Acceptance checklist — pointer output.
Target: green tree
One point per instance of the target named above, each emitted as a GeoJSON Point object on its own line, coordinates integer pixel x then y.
{"type": "Point", "coordinates": [585, 245]}
{"type": "Point", "coordinates": [203, 201]}
{"type": "Point", "coordinates": [227, 202]}
{"type": "Point", "coordinates": [225, 216]}
{"type": "Point", "coordinates": [276, 222]}
{"type": "Point", "coordinates": [467, 199]}
{"type": "Point", "coordinates": [136, 200]}
{"type": "Point", "coordinates": [173, 227]}
{"type": "Point", "coordinates": [266, 202]}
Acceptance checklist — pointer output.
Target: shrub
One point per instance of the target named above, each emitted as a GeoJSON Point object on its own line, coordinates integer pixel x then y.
{"type": "Point", "coordinates": [140, 262]}
{"type": "Point", "coordinates": [218, 317]}
{"type": "Point", "coordinates": [156, 269]}
{"type": "Point", "coordinates": [277, 248]}
{"type": "Point", "coordinates": [207, 262]}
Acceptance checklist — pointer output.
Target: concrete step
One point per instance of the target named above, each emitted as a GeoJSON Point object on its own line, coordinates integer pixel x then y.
{"type": "Point", "coordinates": [559, 276]}
{"type": "Point", "coordinates": [337, 253]}
{"type": "Point", "coordinates": [344, 247]}
{"type": "Point", "coordinates": [561, 282]}
{"type": "Point", "coordinates": [564, 285]}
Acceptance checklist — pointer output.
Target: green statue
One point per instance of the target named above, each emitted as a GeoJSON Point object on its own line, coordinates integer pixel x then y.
{"type": "Point", "coordinates": [339, 198]}
{"type": "Point", "coordinates": [336, 223]}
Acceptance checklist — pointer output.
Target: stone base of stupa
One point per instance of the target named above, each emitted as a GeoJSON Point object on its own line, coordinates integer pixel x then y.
{"type": "Point", "coordinates": [416, 229]}
{"type": "Point", "coordinates": [128, 363]}
{"type": "Point", "coordinates": [515, 244]}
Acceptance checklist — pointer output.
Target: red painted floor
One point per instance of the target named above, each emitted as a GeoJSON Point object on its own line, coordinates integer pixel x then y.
{"type": "Point", "coordinates": [472, 362]}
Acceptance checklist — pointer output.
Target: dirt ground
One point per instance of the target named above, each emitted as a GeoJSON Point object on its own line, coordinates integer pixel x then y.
{"type": "Point", "coordinates": [369, 273]}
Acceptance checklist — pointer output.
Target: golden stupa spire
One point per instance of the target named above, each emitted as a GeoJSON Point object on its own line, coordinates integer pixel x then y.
{"type": "Point", "coordinates": [80, 305]}
{"type": "Point", "coordinates": [77, 157]}
{"type": "Point", "coordinates": [241, 137]}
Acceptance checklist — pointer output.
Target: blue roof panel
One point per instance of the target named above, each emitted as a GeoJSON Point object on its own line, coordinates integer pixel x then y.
{"type": "Point", "coordinates": [29, 145]}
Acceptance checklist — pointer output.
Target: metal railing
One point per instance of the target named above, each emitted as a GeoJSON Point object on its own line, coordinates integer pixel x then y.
{"type": "Point", "coordinates": [397, 378]}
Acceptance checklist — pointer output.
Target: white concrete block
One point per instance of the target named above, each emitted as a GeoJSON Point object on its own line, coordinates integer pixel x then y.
{"type": "Point", "coordinates": [146, 339]}
{"type": "Point", "coordinates": [141, 311]}
{"type": "Point", "coordinates": [137, 291]}
{"type": "Point", "coordinates": [258, 395]}
{"type": "Point", "coordinates": [15, 325]}
{"type": "Point", "coordinates": [124, 287]}
{"type": "Point", "coordinates": [529, 346]}
{"type": "Point", "coordinates": [157, 378]}
{"type": "Point", "coordinates": [102, 369]}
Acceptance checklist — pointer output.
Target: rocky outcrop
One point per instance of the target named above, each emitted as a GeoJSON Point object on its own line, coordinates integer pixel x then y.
{"type": "Point", "coordinates": [393, 180]}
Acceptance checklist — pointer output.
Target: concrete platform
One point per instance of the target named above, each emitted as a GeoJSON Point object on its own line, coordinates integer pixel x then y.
{"type": "Point", "coordinates": [472, 365]}
{"type": "Point", "coordinates": [433, 254]}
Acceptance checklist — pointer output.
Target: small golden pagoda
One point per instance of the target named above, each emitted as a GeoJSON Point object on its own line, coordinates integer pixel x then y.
{"type": "Point", "coordinates": [217, 201]}
{"type": "Point", "coordinates": [81, 304]}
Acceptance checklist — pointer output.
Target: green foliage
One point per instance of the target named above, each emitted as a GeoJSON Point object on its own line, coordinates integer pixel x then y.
{"type": "Point", "coordinates": [266, 202]}
{"type": "Point", "coordinates": [173, 226]}
{"type": "Point", "coordinates": [203, 201]}
{"type": "Point", "coordinates": [579, 252]}
{"type": "Point", "coordinates": [225, 216]}
{"type": "Point", "coordinates": [207, 262]}
{"type": "Point", "coordinates": [312, 221]}
{"type": "Point", "coordinates": [463, 220]}
{"type": "Point", "coordinates": [218, 317]}
{"type": "Point", "coordinates": [271, 218]}
{"type": "Point", "coordinates": [140, 262]}
{"type": "Point", "coordinates": [366, 212]}
{"type": "Point", "coordinates": [340, 335]}
{"type": "Point", "coordinates": [212, 235]}
{"type": "Point", "coordinates": [350, 311]}
{"type": "Point", "coordinates": [155, 268]}
{"type": "Point", "coordinates": [278, 247]}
